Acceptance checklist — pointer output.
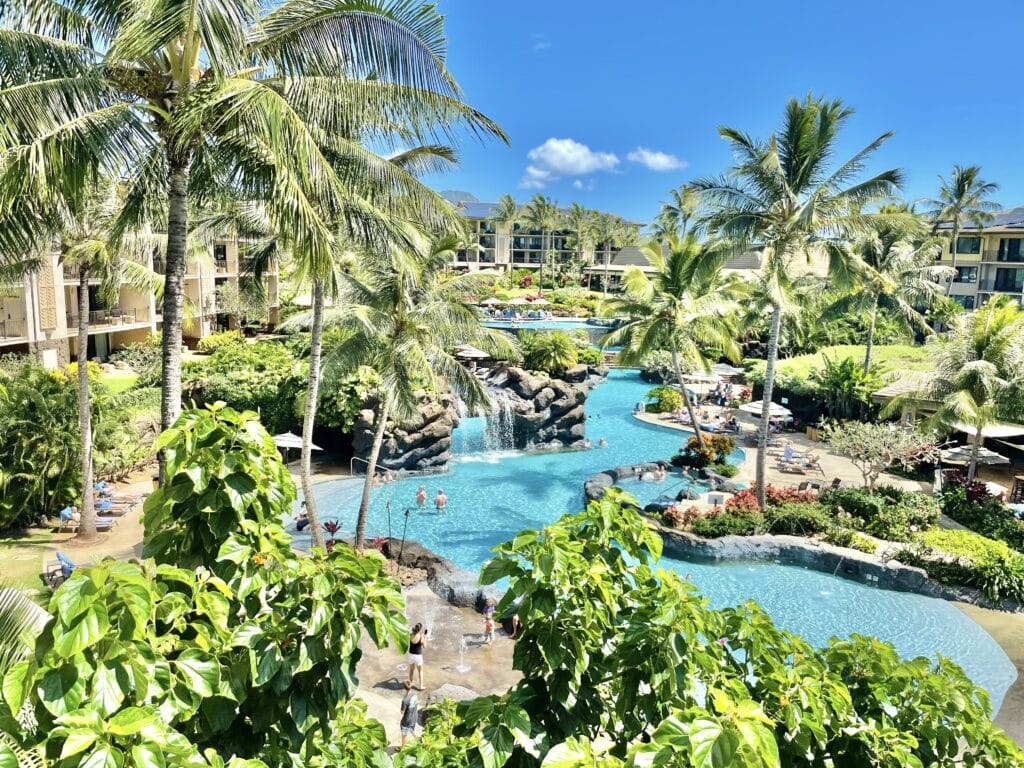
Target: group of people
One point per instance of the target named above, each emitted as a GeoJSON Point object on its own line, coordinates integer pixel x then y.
{"type": "Point", "coordinates": [658, 475]}
{"type": "Point", "coordinates": [440, 500]}
{"type": "Point", "coordinates": [587, 445]}
{"type": "Point", "coordinates": [382, 478]}
{"type": "Point", "coordinates": [722, 394]}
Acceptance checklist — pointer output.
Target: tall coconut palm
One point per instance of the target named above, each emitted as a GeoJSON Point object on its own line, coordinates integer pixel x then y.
{"type": "Point", "coordinates": [403, 315]}
{"type": "Point", "coordinates": [962, 199]}
{"type": "Point", "coordinates": [507, 211]}
{"type": "Point", "coordinates": [609, 230]}
{"type": "Point", "coordinates": [687, 305]}
{"type": "Point", "coordinates": [678, 212]}
{"type": "Point", "coordinates": [183, 100]}
{"type": "Point", "coordinates": [785, 195]}
{"type": "Point", "coordinates": [541, 214]}
{"type": "Point", "coordinates": [896, 262]}
{"type": "Point", "coordinates": [580, 223]}
{"type": "Point", "coordinates": [978, 376]}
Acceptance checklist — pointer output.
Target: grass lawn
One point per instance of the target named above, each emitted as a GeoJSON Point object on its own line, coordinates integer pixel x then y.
{"type": "Point", "coordinates": [119, 381]}
{"type": "Point", "coordinates": [892, 357]}
{"type": "Point", "coordinates": [22, 556]}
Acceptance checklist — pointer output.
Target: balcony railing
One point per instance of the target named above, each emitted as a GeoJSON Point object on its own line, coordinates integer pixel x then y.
{"type": "Point", "coordinates": [994, 254]}
{"type": "Point", "coordinates": [466, 257]}
{"type": "Point", "coordinates": [221, 265]}
{"type": "Point", "coordinates": [533, 258]}
{"type": "Point", "coordinates": [12, 329]}
{"type": "Point", "coordinates": [1000, 286]}
{"type": "Point", "coordinates": [110, 317]}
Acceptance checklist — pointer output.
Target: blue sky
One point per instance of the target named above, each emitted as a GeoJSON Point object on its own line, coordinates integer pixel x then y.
{"type": "Point", "coordinates": [614, 104]}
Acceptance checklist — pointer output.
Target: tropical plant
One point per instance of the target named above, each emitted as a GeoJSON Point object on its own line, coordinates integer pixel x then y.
{"type": "Point", "coordinates": [676, 215]}
{"type": "Point", "coordinates": [898, 272]}
{"type": "Point", "coordinates": [553, 352]}
{"type": "Point", "coordinates": [978, 373]}
{"type": "Point", "coordinates": [402, 316]}
{"type": "Point", "coordinates": [216, 341]}
{"type": "Point", "coordinates": [143, 357]}
{"type": "Point", "coordinates": [970, 503]}
{"type": "Point", "coordinates": [629, 658]}
{"type": "Point", "coordinates": [542, 215]}
{"type": "Point", "coordinates": [786, 197]}
{"type": "Point", "coordinates": [508, 212]}
{"type": "Point", "coordinates": [962, 199]}
{"type": "Point", "coordinates": [245, 301]}
{"type": "Point", "coordinates": [845, 387]}
{"type": "Point", "coordinates": [686, 305]}
{"type": "Point", "coordinates": [580, 223]}
{"type": "Point", "coordinates": [610, 232]}
{"type": "Point", "coordinates": [874, 448]}
{"type": "Point", "coordinates": [186, 103]}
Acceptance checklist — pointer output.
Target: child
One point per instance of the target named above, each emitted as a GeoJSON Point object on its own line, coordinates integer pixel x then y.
{"type": "Point", "coordinates": [489, 621]}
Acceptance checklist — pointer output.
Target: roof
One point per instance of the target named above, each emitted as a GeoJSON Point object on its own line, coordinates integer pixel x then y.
{"type": "Point", "coordinates": [1010, 218]}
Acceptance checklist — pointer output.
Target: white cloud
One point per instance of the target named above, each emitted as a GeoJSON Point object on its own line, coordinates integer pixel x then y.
{"type": "Point", "coordinates": [540, 41]}
{"type": "Point", "coordinates": [654, 160]}
{"type": "Point", "coordinates": [557, 158]}
{"type": "Point", "coordinates": [588, 186]}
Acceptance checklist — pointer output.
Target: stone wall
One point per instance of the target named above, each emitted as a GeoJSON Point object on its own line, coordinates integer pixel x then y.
{"type": "Point", "coordinates": [423, 444]}
{"type": "Point", "coordinates": [548, 412]}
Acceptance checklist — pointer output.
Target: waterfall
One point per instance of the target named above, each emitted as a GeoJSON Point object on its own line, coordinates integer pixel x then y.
{"type": "Point", "coordinates": [499, 433]}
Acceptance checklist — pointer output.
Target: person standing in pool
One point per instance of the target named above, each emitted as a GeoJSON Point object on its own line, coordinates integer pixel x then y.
{"type": "Point", "coordinates": [440, 501]}
{"type": "Point", "coordinates": [417, 641]}
{"type": "Point", "coordinates": [421, 496]}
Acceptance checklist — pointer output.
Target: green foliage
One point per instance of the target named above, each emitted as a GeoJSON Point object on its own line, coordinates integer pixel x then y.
{"type": "Point", "coordinates": [657, 366]}
{"type": "Point", "coordinates": [715, 449]}
{"type": "Point", "coordinates": [798, 518]}
{"type": "Point", "coordinates": [845, 387]}
{"type": "Point", "coordinates": [725, 469]}
{"type": "Point", "coordinates": [228, 640]}
{"type": "Point", "coordinates": [894, 357]}
{"type": "Point", "coordinates": [343, 397]}
{"type": "Point", "coordinates": [666, 400]}
{"type": "Point", "coordinates": [965, 557]}
{"type": "Point", "coordinates": [262, 377]}
{"type": "Point", "coordinates": [873, 448]}
{"type": "Point", "coordinates": [591, 356]}
{"type": "Point", "coordinates": [553, 352]}
{"type": "Point", "coordinates": [888, 513]}
{"type": "Point", "coordinates": [729, 524]}
{"type": "Point", "coordinates": [213, 342]}
{"type": "Point", "coordinates": [972, 505]}
{"type": "Point", "coordinates": [143, 357]}
{"type": "Point", "coordinates": [624, 665]}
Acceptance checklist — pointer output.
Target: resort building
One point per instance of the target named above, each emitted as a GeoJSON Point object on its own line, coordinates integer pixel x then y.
{"type": "Point", "coordinates": [988, 260]}
{"type": "Point", "coordinates": [41, 314]}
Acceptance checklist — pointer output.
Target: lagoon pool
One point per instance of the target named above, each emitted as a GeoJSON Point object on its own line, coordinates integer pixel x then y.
{"type": "Point", "coordinates": [493, 495]}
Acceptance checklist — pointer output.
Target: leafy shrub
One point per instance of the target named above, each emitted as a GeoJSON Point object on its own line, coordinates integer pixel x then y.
{"type": "Point", "coordinates": [553, 352]}
{"type": "Point", "coordinates": [591, 356]}
{"type": "Point", "coordinates": [970, 504]}
{"type": "Point", "coordinates": [888, 513]}
{"type": "Point", "coordinates": [658, 366]}
{"type": "Point", "coordinates": [682, 517]}
{"type": "Point", "coordinates": [213, 342]}
{"type": "Point", "coordinates": [666, 400]}
{"type": "Point", "coordinates": [341, 401]}
{"type": "Point", "coordinates": [745, 500]}
{"type": "Point", "coordinates": [803, 518]}
{"type": "Point", "coordinates": [863, 544]}
{"type": "Point", "coordinates": [965, 557]}
{"type": "Point", "coordinates": [144, 358]}
{"type": "Point", "coordinates": [715, 450]}
{"type": "Point", "coordinates": [725, 469]}
{"type": "Point", "coordinates": [728, 524]}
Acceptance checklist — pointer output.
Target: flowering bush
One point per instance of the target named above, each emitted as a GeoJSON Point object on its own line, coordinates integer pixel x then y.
{"type": "Point", "coordinates": [680, 517]}
{"type": "Point", "coordinates": [746, 500]}
{"type": "Point", "coordinates": [970, 504]}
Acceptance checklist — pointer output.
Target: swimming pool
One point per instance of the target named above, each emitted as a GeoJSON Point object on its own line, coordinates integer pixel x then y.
{"type": "Point", "coordinates": [494, 495]}
{"type": "Point", "coordinates": [595, 332]}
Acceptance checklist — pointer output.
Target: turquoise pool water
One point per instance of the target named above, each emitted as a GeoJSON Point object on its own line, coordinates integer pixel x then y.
{"type": "Point", "coordinates": [492, 496]}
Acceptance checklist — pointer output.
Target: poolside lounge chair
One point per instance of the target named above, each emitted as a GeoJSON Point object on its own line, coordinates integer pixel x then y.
{"type": "Point", "coordinates": [67, 522]}
{"type": "Point", "coordinates": [58, 571]}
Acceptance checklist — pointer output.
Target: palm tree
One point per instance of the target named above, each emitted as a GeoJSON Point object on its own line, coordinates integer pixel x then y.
{"type": "Point", "coordinates": [978, 372]}
{"type": "Point", "coordinates": [896, 262]}
{"type": "Point", "coordinates": [687, 305]}
{"type": "Point", "coordinates": [580, 222]}
{"type": "Point", "coordinates": [608, 230]}
{"type": "Point", "coordinates": [542, 214]}
{"type": "Point", "coordinates": [962, 199]}
{"type": "Point", "coordinates": [507, 211]}
{"type": "Point", "coordinates": [678, 212]}
{"type": "Point", "coordinates": [402, 315]}
{"type": "Point", "coordinates": [185, 103]}
{"type": "Point", "coordinates": [784, 196]}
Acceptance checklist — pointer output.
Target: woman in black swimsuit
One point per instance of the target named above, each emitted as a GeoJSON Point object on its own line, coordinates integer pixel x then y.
{"type": "Point", "coordinates": [417, 640]}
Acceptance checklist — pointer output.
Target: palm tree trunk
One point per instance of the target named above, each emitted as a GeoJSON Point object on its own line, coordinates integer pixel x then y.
{"type": "Point", "coordinates": [309, 415]}
{"type": "Point", "coordinates": [371, 470]}
{"type": "Point", "coordinates": [87, 521]}
{"type": "Point", "coordinates": [686, 396]}
{"type": "Point", "coordinates": [769, 385]}
{"type": "Point", "coordinates": [174, 296]}
{"type": "Point", "coordinates": [956, 236]}
{"type": "Point", "coordinates": [972, 468]}
{"type": "Point", "coordinates": [871, 336]}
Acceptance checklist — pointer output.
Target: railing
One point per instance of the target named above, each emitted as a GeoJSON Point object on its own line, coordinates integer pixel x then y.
{"type": "Point", "coordinates": [221, 265]}
{"type": "Point", "coordinates": [1000, 287]}
{"type": "Point", "coordinates": [70, 271]}
{"type": "Point", "coordinates": [487, 257]}
{"type": "Point", "coordinates": [12, 329]}
{"type": "Point", "coordinates": [101, 317]}
{"type": "Point", "coordinates": [527, 259]}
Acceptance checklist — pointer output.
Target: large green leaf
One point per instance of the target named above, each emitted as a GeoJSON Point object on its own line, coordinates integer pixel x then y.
{"type": "Point", "coordinates": [85, 630]}
{"type": "Point", "coordinates": [199, 670]}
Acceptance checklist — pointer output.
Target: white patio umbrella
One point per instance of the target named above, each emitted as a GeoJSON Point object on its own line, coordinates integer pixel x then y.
{"type": "Point", "coordinates": [774, 409]}
{"type": "Point", "coordinates": [291, 440]}
{"type": "Point", "coordinates": [471, 353]}
{"type": "Point", "coordinates": [724, 369]}
{"type": "Point", "coordinates": [491, 302]}
{"type": "Point", "coordinates": [961, 454]}
{"type": "Point", "coordinates": [992, 430]}
{"type": "Point", "coordinates": [518, 301]}
{"type": "Point", "coordinates": [707, 378]}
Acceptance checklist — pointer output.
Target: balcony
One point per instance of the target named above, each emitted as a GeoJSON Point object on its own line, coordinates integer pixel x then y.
{"type": "Point", "coordinates": [105, 319]}
{"type": "Point", "coordinates": [523, 258]}
{"type": "Point", "coordinates": [995, 255]}
{"type": "Point", "coordinates": [1000, 286]}
{"type": "Point", "coordinates": [466, 257]}
{"type": "Point", "coordinates": [487, 257]}
{"type": "Point", "coordinates": [12, 329]}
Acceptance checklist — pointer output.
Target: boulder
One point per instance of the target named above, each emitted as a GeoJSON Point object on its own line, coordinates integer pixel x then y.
{"type": "Point", "coordinates": [422, 444]}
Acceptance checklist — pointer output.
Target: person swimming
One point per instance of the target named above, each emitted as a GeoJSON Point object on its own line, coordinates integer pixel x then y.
{"type": "Point", "coordinates": [421, 496]}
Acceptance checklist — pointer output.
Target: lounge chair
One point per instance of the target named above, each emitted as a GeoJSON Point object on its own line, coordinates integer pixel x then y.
{"type": "Point", "coordinates": [58, 571]}
{"type": "Point", "coordinates": [67, 522]}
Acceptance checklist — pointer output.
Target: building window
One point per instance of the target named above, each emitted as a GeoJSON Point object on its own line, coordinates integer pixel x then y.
{"type": "Point", "coordinates": [1010, 280]}
{"type": "Point", "coordinates": [967, 302]}
{"type": "Point", "coordinates": [966, 275]}
{"type": "Point", "coordinates": [967, 245]}
{"type": "Point", "coordinates": [1010, 249]}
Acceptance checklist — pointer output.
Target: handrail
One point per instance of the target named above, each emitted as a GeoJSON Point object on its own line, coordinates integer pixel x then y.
{"type": "Point", "coordinates": [353, 460]}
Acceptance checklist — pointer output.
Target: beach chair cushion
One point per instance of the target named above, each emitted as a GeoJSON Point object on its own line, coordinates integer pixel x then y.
{"type": "Point", "coordinates": [66, 566]}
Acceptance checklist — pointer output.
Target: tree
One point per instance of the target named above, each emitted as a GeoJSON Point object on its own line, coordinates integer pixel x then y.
{"type": "Point", "coordinates": [506, 212]}
{"type": "Point", "coordinates": [676, 215]}
{"type": "Point", "coordinates": [245, 301]}
{"type": "Point", "coordinates": [687, 306]}
{"type": "Point", "coordinates": [402, 316]}
{"type": "Point", "coordinates": [187, 102]}
{"type": "Point", "coordinates": [607, 231]}
{"type": "Point", "coordinates": [785, 196]}
{"type": "Point", "coordinates": [875, 448]}
{"type": "Point", "coordinates": [962, 198]}
{"type": "Point", "coordinates": [977, 373]}
{"type": "Point", "coordinates": [541, 214]}
{"type": "Point", "coordinates": [845, 386]}
{"type": "Point", "coordinates": [897, 269]}
{"type": "Point", "coordinates": [580, 223]}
